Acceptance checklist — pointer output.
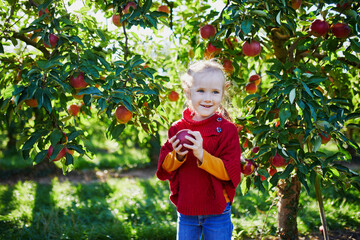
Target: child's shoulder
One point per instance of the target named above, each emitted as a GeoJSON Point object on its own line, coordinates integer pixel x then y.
{"type": "Point", "coordinates": [227, 124]}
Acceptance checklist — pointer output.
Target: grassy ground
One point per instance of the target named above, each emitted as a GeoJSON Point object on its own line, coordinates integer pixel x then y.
{"type": "Point", "coordinates": [131, 208]}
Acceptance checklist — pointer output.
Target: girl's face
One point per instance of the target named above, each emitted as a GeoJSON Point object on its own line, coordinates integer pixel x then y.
{"type": "Point", "coordinates": [205, 94]}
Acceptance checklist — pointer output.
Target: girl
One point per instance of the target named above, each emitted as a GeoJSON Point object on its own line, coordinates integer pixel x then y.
{"type": "Point", "coordinates": [203, 178]}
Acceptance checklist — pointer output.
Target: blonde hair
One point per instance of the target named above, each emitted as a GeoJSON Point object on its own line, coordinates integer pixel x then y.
{"type": "Point", "coordinates": [204, 66]}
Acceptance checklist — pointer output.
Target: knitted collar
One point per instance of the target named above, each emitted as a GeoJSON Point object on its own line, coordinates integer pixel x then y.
{"type": "Point", "coordinates": [187, 116]}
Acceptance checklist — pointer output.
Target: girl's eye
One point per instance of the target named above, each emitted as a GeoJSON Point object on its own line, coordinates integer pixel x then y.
{"type": "Point", "coordinates": [216, 92]}
{"type": "Point", "coordinates": [200, 90]}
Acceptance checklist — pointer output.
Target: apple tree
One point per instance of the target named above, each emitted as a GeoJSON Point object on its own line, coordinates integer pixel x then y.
{"type": "Point", "coordinates": [293, 68]}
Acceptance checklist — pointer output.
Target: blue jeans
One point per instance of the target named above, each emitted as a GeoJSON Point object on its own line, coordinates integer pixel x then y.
{"type": "Point", "coordinates": [214, 227]}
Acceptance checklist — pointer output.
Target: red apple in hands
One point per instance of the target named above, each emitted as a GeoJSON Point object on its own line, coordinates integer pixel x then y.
{"type": "Point", "coordinates": [181, 135]}
{"type": "Point", "coordinates": [319, 28]}
{"type": "Point", "coordinates": [341, 30]}
{"type": "Point", "coordinates": [207, 31]}
{"type": "Point", "coordinates": [53, 39]}
{"type": "Point", "coordinates": [122, 114]}
{"type": "Point", "coordinates": [77, 81]}
{"type": "Point", "coordinates": [248, 167]}
{"type": "Point", "coordinates": [251, 49]}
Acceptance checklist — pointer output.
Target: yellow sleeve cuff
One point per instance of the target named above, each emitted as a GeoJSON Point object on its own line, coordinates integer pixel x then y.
{"type": "Point", "coordinates": [171, 163]}
{"type": "Point", "coordinates": [214, 166]}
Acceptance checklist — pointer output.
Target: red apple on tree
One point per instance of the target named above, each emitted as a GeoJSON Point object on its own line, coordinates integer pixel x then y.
{"type": "Point", "coordinates": [227, 65]}
{"type": "Point", "coordinates": [319, 28]}
{"type": "Point", "coordinates": [248, 167]}
{"type": "Point", "coordinates": [31, 102]}
{"type": "Point", "coordinates": [42, 11]}
{"type": "Point", "coordinates": [73, 110]}
{"type": "Point", "coordinates": [341, 30]}
{"type": "Point", "coordinates": [295, 4]}
{"type": "Point", "coordinates": [163, 8]}
{"type": "Point", "coordinates": [344, 5]}
{"type": "Point", "coordinates": [255, 79]}
{"type": "Point", "coordinates": [122, 114]}
{"type": "Point", "coordinates": [251, 49]}
{"type": "Point", "coordinates": [255, 149]}
{"type": "Point", "coordinates": [116, 20]}
{"type": "Point", "coordinates": [173, 96]}
{"type": "Point", "coordinates": [251, 88]}
{"type": "Point", "coordinates": [271, 171]}
{"type": "Point", "coordinates": [207, 31]}
{"type": "Point", "coordinates": [181, 135]}
{"type": "Point", "coordinates": [129, 7]}
{"type": "Point", "coordinates": [278, 160]}
{"type": "Point", "coordinates": [53, 39]}
{"type": "Point", "coordinates": [77, 81]}
{"type": "Point", "coordinates": [230, 42]}
{"type": "Point", "coordinates": [60, 155]}
{"type": "Point", "coordinates": [325, 138]}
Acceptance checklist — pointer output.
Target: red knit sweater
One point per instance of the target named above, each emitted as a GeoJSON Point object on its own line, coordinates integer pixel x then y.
{"type": "Point", "coordinates": [193, 190]}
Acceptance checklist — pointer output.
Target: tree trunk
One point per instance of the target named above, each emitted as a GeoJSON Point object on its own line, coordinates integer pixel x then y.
{"type": "Point", "coordinates": [288, 193]}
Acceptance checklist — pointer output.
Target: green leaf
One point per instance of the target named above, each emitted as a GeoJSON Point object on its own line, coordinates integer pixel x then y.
{"type": "Point", "coordinates": [74, 135]}
{"type": "Point", "coordinates": [55, 136]}
{"type": "Point", "coordinates": [292, 95]}
{"type": "Point", "coordinates": [355, 45]}
{"type": "Point", "coordinates": [90, 90]}
{"type": "Point", "coordinates": [286, 173]}
{"type": "Point", "coordinates": [278, 18]}
{"type": "Point", "coordinates": [40, 156]}
{"type": "Point", "coordinates": [245, 185]}
{"type": "Point", "coordinates": [117, 130]}
{"type": "Point", "coordinates": [147, 5]}
{"type": "Point", "coordinates": [352, 58]}
{"type": "Point", "coordinates": [307, 89]}
{"type": "Point", "coordinates": [246, 25]}
{"type": "Point", "coordinates": [33, 139]}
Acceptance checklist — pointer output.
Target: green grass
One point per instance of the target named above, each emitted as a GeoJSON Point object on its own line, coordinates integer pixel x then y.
{"type": "Point", "coordinates": [140, 209]}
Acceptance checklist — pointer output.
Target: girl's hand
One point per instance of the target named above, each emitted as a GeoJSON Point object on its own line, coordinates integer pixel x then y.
{"type": "Point", "coordinates": [176, 146]}
{"type": "Point", "coordinates": [197, 145]}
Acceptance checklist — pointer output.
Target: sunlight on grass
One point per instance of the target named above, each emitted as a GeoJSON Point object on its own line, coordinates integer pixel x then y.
{"type": "Point", "coordinates": [131, 208]}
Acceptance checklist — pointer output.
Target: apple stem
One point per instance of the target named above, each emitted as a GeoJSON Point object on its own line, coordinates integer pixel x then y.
{"type": "Point", "coordinates": [321, 206]}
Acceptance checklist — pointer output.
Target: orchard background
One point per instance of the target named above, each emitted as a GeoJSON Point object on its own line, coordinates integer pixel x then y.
{"type": "Point", "coordinates": [73, 83]}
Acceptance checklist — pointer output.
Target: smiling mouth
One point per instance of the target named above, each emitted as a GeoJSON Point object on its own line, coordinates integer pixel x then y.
{"type": "Point", "coordinates": [206, 106]}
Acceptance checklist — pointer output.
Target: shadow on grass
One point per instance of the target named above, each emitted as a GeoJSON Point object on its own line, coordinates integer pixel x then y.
{"type": "Point", "coordinates": [89, 211]}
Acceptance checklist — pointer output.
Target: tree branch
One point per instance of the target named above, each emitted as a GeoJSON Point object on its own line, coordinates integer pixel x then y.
{"type": "Point", "coordinates": [31, 42]}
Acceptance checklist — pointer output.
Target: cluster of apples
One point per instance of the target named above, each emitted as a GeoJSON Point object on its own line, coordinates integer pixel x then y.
{"type": "Point", "coordinates": [320, 28]}
{"type": "Point", "coordinates": [208, 31]}
{"type": "Point", "coordinates": [254, 81]}
{"type": "Point", "coordinates": [129, 7]}
{"type": "Point", "coordinates": [63, 150]}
